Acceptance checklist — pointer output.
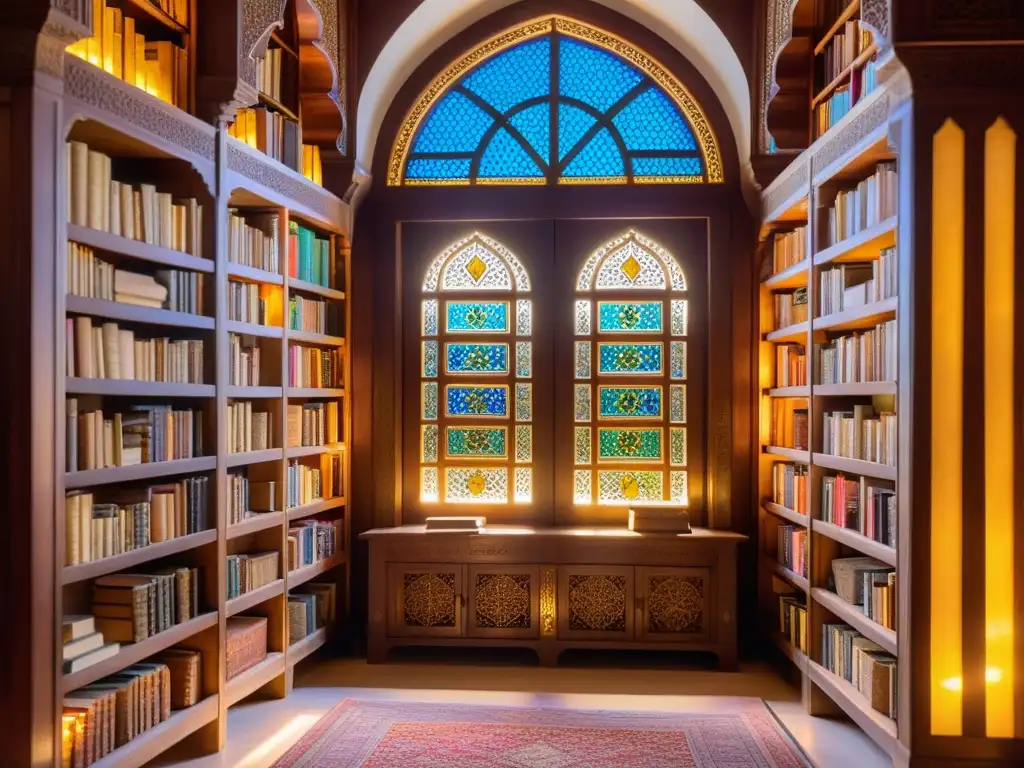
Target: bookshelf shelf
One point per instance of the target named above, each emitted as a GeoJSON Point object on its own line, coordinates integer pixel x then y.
{"type": "Point", "coordinates": [863, 246]}
{"type": "Point", "coordinates": [302, 575]}
{"type": "Point", "coordinates": [847, 14]}
{"type": "Point", "coordinates": [146, 746]}
{"type": "Point", "coordinates": [793, 276]}
{"type": "Point", "coordinates": [132, 653]}
{"type": "Point", "coordinates": [312, 450]}
{"type": "Point", "coordinates": [253, 679]}
{"type": "Point", "coordinates": [879, 728]}
{"type": "Point", "coordinates": [306, 646]}
{"type": "Point", "coordinates": [792, 577]}
{"type": "Point", "coordinates": [796, 332]}
{"type": "Point", "coordinates": [316, 338]}
{"type": "Point", "coordinates": [838, 80]}
{"type": "Point", "coordinates": [252, 329]}
{"type": "Point", "coordinates": [302, 285]}
{"type": "Point", "coordinates": [256, 523]}
{"type": "Point", "coordinates": [803, 391]}
{"type": "Point", "coordinates": [786, 513]}
{"type": "Point", "coordinates": [244, 602]}
{"type": "Point", "coordinates": [131, 388]}
{"type": "Point", "coordinates": [72, 574]}
{"type": "Point", "coordinates": [110, 243]}
{"type": "Point", "coordinates": [114, 310]}
{"type": "Point", "coordinates": [855, 466]}
{"type": "Point", "coordinates": [314, 392]}
{"type": "Point", "coordinates": [254, 275]}
{"type": "Point", "coordinates": [308, 510]}
{"type": "Point", "coordinates": [792, 454]}
{"type": "Point", "coordinates": [859, 389]}
{"type": "Point", "coordinates": [790, 651]}
{"type": "Point", "coordinates": [249, 393]}
{"type": "Point", "coordinates": [282, 44]}
{"type": "Point", "coordinates": [858, 318]}
{"type": "Point", "coordinates": [253, 457]}
{"type": "Point", "coordinates": [858, 541]}
{"type": "Point", "coordinates": [148, 9]}
{"type": "Point", "coordinates": [853, 616]}
{"type": "Point", "coordinates": [87, 477]}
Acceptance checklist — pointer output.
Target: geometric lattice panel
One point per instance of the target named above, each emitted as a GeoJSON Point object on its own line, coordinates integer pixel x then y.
{"type": "Point", "coordinates": [429, 599]}
{"type": "Point", "coordinates": [502, 601]}
{"type": "Point", "coordinates": [597, 603]}
{"type": "Point", "coordinates": [675, 604]}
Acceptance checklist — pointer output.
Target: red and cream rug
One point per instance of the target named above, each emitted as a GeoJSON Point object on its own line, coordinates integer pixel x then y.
{"type": "Point", "coordinates": [438, 735]}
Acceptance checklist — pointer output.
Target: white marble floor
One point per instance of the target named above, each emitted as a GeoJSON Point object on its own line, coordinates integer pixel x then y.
{"type": "Point", "coordinates": [261, 731]}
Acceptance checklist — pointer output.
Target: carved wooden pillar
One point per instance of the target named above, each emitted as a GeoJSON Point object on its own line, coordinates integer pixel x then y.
{"type": "Point", "coordinates": [33, 35]}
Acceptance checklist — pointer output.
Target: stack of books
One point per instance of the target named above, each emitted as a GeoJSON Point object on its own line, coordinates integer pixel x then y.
{"type": "Point", "coordinates": [871, 355]}
{"type": "Point", "coordinates": [252, 240]}
{"type": "Point", "coordinates": [872, 201]}
{"type": "Point", "coordinates": [307, 484]}
{"type": "Point", "coordinates": [789, 423]}
{"type": "Point", "coordinates": [789, 248]}
{"type": "Point", "coordinates": [792, 548]}
{"type": "Point", "coordinates": [249, 302]}
{"type": "Point", "coordinates": [313, 541]}
{"type": "Point", "coordinates": [272, 133]}
{"type": "Point", "coordinates": [862, 663]}
{"type": "Point", "coordinates": [250, 498]}
{"type": "Point", "coordinates": [145, 434]}
{"type": "Point", "coordinates": [249, 572]}
{"type": "Point", "coordinates": [860, 434]}
{"type": "Point", "coordinates": [132, 607]}
{"type": "Point", "coordinates": [185, 668]}
{"type": "Point", "coordinates": [111, 352]}
{"type": "Point", "coordinates": [309, 608]}
{"type": "Point", "coordinates": [790, 308]}
{"type": "Point", "coordinates": [248, 431]}
{"type": "Point", "coordinates": [793, 620]}
{"type": "Point", "coordinates": [312, 167]}
{"type": "Point", "coordinates": [83, 645]}
{"type": "Point", "coordinates": [790, 365]}
{"type": "Point", "coordinates": [246, 643]}
{"type": "Point", "coordinates": [314, 316]}
{"type": "Point", "coordinates": [659, 519]}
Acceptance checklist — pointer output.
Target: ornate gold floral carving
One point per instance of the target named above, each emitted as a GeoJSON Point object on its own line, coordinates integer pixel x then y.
{"type": "Point", "coordinates": [502, 600]}
{"type": "Point", "coordinates": [675, 604]}
{"type": "Point", "coordinates": [429, 599]}
{"type": "Point", "coordinates": [597, 603]}
{"type": "Point", "coordinates": [547, 601]}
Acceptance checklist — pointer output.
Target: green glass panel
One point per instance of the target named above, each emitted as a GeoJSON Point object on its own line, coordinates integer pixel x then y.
{"type": "Point", "coordinates": [629, 444]}
{"type": "Point", "coordinates": [467, 442]}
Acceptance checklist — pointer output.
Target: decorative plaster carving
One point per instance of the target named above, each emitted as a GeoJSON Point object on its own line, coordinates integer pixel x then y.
{"type": "Point", "coordinates": [264, 173]}
{"type": "Point", "coordinates": [877, 15]}
{"type": "Point", "coordinates": [778, 33]}
{"type": "Point", "coordinates": [259, 19]}
{"type": "Point", "coordinates": [790, 181]}
{"type": "Point", "coordinates": [76, 10]}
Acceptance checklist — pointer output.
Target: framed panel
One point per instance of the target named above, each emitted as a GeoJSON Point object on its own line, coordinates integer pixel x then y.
{"type": "Point", "coordinates": [595, 603]}
{"type": "Point", "coordinates": [503, 601]}
{"type": "Point", "coordinates": [425, 600]}
{"type": "Point", "coordinates": [672, 605]}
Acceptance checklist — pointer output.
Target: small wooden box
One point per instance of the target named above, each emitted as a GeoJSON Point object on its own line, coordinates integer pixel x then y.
{"type": "Point", "coordinates": [246, 644]}
{"type": "Point", "coordinates": [657, 519]}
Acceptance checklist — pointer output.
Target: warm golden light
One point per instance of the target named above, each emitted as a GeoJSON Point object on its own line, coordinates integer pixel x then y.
{"type": "Point", "coordinates": [1000, 172]}
{"type": "Point", "coordinates": [276, 743]}
{"type": "Point", "coordinates": [947, 430]}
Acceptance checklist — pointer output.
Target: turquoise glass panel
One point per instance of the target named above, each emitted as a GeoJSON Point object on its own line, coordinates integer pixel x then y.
{"type": "Point", "coordinates": [630, 402]}
{"type": "Point", "coordinates": [630, 317]}
{"type": "Point", "coordinates": [535, 125]}
{"type": "Point", "coordinates": [477, 317]}
{"type": "Point", "coordinates": [455, 124]}
{"type": "Point", "coordinates": [594, 76]}
{"type": "Point", "coordinates": [513, 76]}
{"type": "Point", "coordinates": [652, 121]}
{"type": "Point", "coordinates": [476, 401]}
{"type": "Point", "coordinates": [629, 444]}
{"type": "Point", "coordinates": [630, 358]}
{"type": "Point", "coordinates": [667, 166]}
{"type": "Point", "coordinates": [463, 442]}
{"type": "Point", "coordinates": [476, 358]}
{"type": "Point", "coordinates": [505, 158]}
{"type": "Point", "coordinates": [599, 159]}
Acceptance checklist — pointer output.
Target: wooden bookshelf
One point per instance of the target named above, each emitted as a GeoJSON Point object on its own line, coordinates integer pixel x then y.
{"type": "Point", "coordinates": [88, 477]}
{"type": "Point", "coordinates": [300, 576]}
{"type": "Point", "coordinates": [253, 679]}
{"type": "Point", "coordinates": [852, 615]}
{"type": "Point", "coordinates": [145, 747]}
{"type": "Point", "coordinates": [315, 508]}
{"type": "Point", "coordinates": [880, 728]}
{"type": "Point", "coordinates": [72, 574]}
{"type": "Point", "coordinates": [787, 514]}
{"type": "Point", "coordinates": [115, 244]}
{"type": "Point", "coordinates": [129, 388]}
{"type": "Point", "coordinates": [858, 541]}
{"type": "Point", "coordinates": [258, 522]}
{"type": "Point", "coordinates": [301, 649]}
{"type": "Point", "coordinates": [244, 602]}
{"type": "Point", "coordinates": [113, 310]}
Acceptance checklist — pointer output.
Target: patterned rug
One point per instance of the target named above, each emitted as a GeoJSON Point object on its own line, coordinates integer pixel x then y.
{"type": "Point", "coordinates": [439, 735]}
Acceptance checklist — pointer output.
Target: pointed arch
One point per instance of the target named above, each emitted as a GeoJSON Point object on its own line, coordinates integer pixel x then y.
{"type": "Point", "coordinates": [631, 260]}
{"type": "Point", "coordinates": [476, 263]}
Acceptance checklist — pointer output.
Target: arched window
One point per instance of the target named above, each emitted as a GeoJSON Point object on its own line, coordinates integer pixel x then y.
{"type": "Point", "coordinates": [630, 375]}
{"type": "Point", "coordinates": [555, 101]}
{"type": "Point", "coordinates": [476, 442]}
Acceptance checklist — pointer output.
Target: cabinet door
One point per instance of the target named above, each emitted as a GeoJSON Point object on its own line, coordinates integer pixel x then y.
{"type": "Point", "coordinates": [503, 601]}
{"type": "Point", "coordinates": [595, 602]}
{"type": "Point", "coordinates": [672, 604]}
{"type": "Point", "coordinates": [426, 600]}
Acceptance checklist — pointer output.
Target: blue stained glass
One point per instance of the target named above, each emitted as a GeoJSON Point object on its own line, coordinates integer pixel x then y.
{"type": "Point", "coordinates": [514, 76]}
{"type": "Point", "coordinates": [477, 401]}
{"type": "Point", "coordinates": [437, 169]}
{"type": "Point", "coordinates": [573, 123]}
{"type": "Point", "coordinates": [599, 159]}
{"type": "Point", "coordinates": [477, 317]}
{"type": "Point", "coordinates": [505, 158]}
{"type": "Point", "coordinates": [476, 358]}
{"type": "Point", "coordinates": [630, 358]}
{"type": "Point", "coordinates": [535, 125]}
{"type": "Point", "coordinates": [631, 317]}
{"type": "Point", "coordinates": [630, 402]}
{"type": "Point", "coordinates": [593, 76]}
{"type": "Point", "coordinates": [652, 121]}
{"type": "Point", "coordinates": [456, 124]}
{"type": "Point", "coordinates": [667, 166]}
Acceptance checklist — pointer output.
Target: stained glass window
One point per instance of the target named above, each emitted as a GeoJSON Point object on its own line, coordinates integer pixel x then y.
{"type": "Point", "coordinates": [555, 101]}
{"type": "Point", "coordinates": [477, 403]}
{"type": "Point", "coordinates": [630, 443]}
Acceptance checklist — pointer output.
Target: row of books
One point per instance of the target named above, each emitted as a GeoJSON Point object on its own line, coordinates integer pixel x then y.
{"type": "Point", "coordinates": [790, 365]}
{"type": "Point", "coordinates": [110, 352]}
{"type": "Point", "coordinates": [854, 577]}
{"type": "Point", "coordinates": [855, 285]}
{"type": "Point", "coordinates": [313, 315]}
{"type": "Point", "coordinates": [862, 663]}
{"type": "Point", "coordinates": [315, 368]}
{"type": "Point", "coordinates": [311, 257]}
{"type": "Point", "coordinates": [793, 621]}
{"type": "Point", "coordinates": [245, 360]}
{"type": "Point", "coordinates": [272, 133]}
{"type": "Point", "coordinates": [250, 302]}
{"type": "Point", "coordinates": [249, 498]}
{"type": "Point", "coordinates": [88, 276]}
{"type": "Point", "coordinates": [849, 42]}
{"type": "Point", "coordinates": [312, 166]}
{"type": "Point", "coordinates": [268, 73]}
{"type": "Point", "coordinates": [312, 424]}
{"type": "Point", "coordinates": [789, 423]}
{"type": "Point", "coordinates": [872, 201]}
{"type": "Point", "coordinates": [871, 355]}
{"type": "Point", "coordinates": [142, 435]}
{"type": "Point", "coordinates": [790, 308]}
{"type": "Point", "coordinates": [312, 541]}
{"type": "Point", "coordinates": [792, 548]}
{"type": "Point", "coordinates": [248, 431]}
{"type": "Point", "coordinates": [158, 67]}
{"type": "Point", "coordinates": [789, 248]}
{"type": "Point", "coordinates": [108, 522]}
{"type": "Point", "coordinates": [789, 486]}
{"type": "Point", "coordinates": [854, 504]}
{"type": "Point", "coordinates": [132, 607]}
{"type": "Point", "coordinates": [82, 645]}
{"type": "Point", "coordinates": [862, 82]}
{"type": "Point", "coordinates": [880, 598]}
{"type": "Point", "coordinates": [246, 573]}
{"type": "Point", "coordinates": [860, 434]}
{"type": "Point", "coordinates": [98, 201]}
{"type": "Point", "coordinates": [310, 607]}
{"type": "Point", "coordinates": [307, 484]}
{"type": "Point", "coordinates": [252, 240]}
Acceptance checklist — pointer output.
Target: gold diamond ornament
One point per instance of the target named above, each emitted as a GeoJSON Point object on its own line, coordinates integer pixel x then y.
{"type": "Point", "coordinates": [631, 268]}
{"type": "Point", "coordinates": [476, 268]}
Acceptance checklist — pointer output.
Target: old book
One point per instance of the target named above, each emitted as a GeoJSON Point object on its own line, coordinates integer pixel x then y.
{"type": "Point", "coordinates": [246, 643]}
{"type": "Point", "coordinates": [85, 644]}
{"type": "Point", "coordinates": [659, 519]}
{"type": "Point", "coordinates": [76, 626]}
{"type": "Point", "coordinates": [848, 576]}
{"type": "Point", "coordinates": [184, 667]}
{"type": "Point", "coordinates": [94, 656]}
{"type": "Point", "coordinates": [72, 544]}
{"type": "Point", "coordinates": [297, 625]}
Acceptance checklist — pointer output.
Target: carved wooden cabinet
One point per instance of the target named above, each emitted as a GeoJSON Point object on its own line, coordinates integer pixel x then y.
{"type": "Point", "coordinates": [552, 589]}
